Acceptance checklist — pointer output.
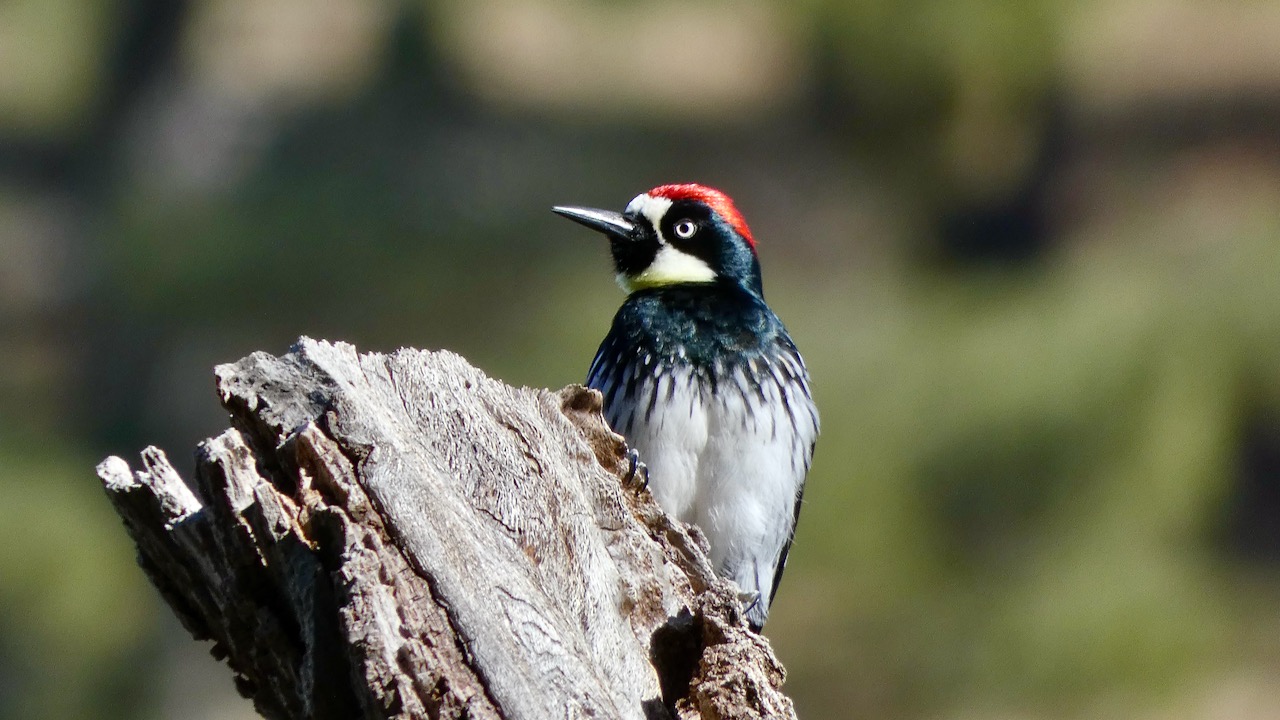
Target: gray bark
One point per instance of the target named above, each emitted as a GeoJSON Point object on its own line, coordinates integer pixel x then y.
{"type": "Point", "coordinates": [400, 536]}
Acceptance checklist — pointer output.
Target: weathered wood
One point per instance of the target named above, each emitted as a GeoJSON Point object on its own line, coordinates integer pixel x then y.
{"type": "Point", "coordinates": [400, 536]}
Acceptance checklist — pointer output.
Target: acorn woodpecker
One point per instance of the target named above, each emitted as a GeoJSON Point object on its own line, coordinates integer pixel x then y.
{"type": "Point", "coordinates": [702, 379]}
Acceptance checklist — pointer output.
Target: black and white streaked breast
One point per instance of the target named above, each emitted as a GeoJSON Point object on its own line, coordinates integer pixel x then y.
{"type": "Point", "coordinates": [680, 344]}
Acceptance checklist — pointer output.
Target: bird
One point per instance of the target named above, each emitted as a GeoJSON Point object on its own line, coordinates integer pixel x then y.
{"type": "Point", "coordinates": [703, 380]}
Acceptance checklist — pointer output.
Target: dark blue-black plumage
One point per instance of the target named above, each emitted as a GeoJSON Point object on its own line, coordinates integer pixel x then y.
{"type": "Point", "coordinates": [702, 378]}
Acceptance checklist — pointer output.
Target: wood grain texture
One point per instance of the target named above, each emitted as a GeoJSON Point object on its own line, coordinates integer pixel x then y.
{"type": "Point", "coordinates": [400, 536]}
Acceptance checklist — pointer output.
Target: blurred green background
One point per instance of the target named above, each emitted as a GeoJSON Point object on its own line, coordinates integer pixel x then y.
{"type": "Point", "coordinates": [1031, 252]}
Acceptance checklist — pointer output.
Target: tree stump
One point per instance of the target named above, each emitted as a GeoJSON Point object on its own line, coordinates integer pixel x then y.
{"type": "Point", "coordinates": [400, 536]}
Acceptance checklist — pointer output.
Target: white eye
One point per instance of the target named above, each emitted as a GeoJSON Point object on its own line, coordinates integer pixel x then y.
{"type": "Point", "coordinates": [685, 229]}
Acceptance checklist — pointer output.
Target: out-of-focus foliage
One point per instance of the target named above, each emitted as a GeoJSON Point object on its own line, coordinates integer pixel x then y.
{"type": "Point", "coordinates": [1031, 495]}
{"type": "Point", "coordinates": [954, 94]}
{"type": "Point", "coordinates": [1030, 259]}
{"type": "Point", "coordinates": [71, 603]}
{"type": "Point", "coordinates": [52, 58]}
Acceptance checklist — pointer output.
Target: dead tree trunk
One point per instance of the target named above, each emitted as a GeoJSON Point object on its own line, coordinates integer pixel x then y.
{"type": "Point", "coordinates": [400, 536]}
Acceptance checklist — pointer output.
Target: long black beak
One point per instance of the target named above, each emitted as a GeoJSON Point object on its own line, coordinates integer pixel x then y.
{"type": "Point", "coordinates": [606, 221]}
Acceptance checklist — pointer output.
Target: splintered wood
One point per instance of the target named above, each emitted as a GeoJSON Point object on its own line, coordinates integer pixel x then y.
{"type": "Point", "coordinates": [400, 536]}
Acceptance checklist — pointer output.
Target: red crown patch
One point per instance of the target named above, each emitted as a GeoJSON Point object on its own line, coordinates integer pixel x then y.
{"type": "Point", "coordinates": [716, 200]}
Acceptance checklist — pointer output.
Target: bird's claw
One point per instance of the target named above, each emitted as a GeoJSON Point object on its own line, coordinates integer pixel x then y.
{"type": "Point", "coordinates": [637, 472]}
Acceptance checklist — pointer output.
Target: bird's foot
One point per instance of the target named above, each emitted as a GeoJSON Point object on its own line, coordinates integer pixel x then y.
{"type": "Point", "coordinates": [637, 472]}
{"type": "Point", "coordinates": [752, 610]}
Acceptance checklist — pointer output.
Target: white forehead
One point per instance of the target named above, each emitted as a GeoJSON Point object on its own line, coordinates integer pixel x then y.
{"type": "Point", "coordinates": [650, 207]}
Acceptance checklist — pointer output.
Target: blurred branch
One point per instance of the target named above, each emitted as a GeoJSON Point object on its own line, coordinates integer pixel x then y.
{"type": "Point", "coordinates": [402, 537]}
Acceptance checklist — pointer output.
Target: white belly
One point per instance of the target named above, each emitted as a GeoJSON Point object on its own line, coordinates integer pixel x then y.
{"type": "Point", "coordinates": [731, 461]}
